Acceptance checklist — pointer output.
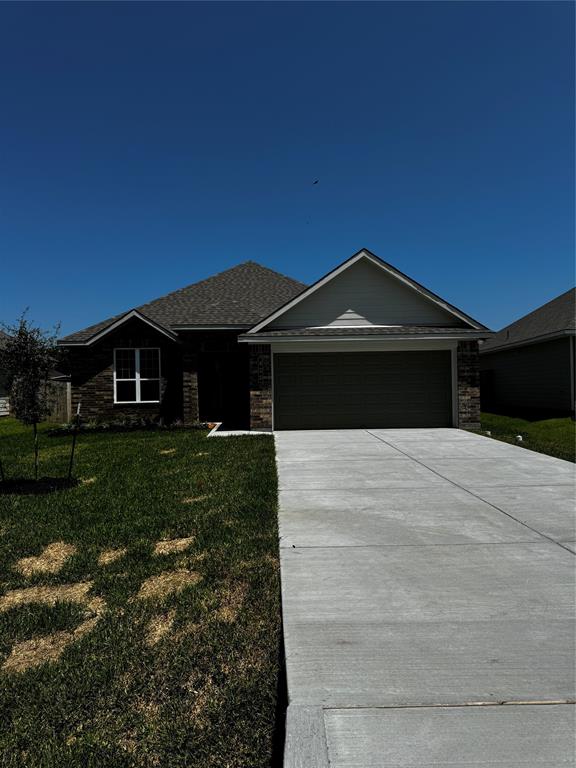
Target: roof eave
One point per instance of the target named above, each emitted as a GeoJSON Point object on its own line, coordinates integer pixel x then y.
{"type": "Point", "coordinates": [530, 341]}
{"type": "Point", "coordinates": [262, 338]}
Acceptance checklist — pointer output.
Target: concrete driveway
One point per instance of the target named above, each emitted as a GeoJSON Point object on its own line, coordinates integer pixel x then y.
{"type": "Point", "coordinates": [428, 600]}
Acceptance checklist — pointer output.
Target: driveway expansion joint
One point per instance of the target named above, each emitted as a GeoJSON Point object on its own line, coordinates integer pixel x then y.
{"type": "Point", "coordinates": [481, 498]}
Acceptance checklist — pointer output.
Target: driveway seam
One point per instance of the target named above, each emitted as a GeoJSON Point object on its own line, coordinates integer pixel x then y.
{"type": "Point", "coordinates": [457, 485]}
{"type": "Point", "coordinates": [390, 546]}
{"type": "Point", "coordinates": [507, 703]}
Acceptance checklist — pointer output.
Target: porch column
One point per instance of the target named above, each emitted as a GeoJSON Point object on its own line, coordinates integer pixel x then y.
{"type": "Point", "coordinates": [190, 413]}
{"type": "Point", "coordinates": [468, 385]}
{"type": "Point", "coordinates": [260, 387]}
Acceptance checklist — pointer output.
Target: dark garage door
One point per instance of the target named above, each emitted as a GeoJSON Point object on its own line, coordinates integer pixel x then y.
{"type": "Point", "coordinates": [325, 390]}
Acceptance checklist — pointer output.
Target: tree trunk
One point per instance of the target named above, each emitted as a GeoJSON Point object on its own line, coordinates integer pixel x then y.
{"type": "Point", "coordinates": [35, 427]}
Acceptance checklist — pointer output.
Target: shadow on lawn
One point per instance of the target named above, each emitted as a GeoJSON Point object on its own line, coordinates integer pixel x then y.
{"type": "Point", "coordinates": [24, 486]}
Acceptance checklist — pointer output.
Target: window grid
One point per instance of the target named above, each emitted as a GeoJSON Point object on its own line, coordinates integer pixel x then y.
{"type": "Point", "coordinates": [137, 379]}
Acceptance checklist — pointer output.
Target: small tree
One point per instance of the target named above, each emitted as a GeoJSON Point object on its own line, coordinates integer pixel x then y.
{"type": "Point", "coordinates": [27, 358]}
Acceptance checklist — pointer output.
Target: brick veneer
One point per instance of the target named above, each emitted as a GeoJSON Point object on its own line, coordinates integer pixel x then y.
{"type": "Point", "coordinates": [468, 385]}
{"type": "Point", "coordinates": [92, 370]}
{"type": "Point", "coordinates": [260, 387]}
{"type": "Point", "coordinates": [468, 374]}
{"type": "Point", "coordinates": [190, 405]}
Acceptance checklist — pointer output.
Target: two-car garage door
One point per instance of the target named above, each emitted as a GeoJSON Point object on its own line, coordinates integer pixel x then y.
{"type": "Point", "coordinates": [325, 390]}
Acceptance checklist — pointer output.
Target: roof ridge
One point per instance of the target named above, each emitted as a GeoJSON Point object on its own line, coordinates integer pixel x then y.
{"type": "Point", "coordinates": [214, 277]}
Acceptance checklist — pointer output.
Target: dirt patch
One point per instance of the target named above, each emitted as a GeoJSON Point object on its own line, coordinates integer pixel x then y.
{"type": "Point", "coordinates": [167, 583]}
{"type": "Point", "coordinates": [169, 546]}
{"type": "Point", "coordinates": [51, 560]}
{"type": "Point", "coordinates": [194, 499]}
{"type": "Point", "coordinates": [167, 451]}
{"type": "Point", "coordinates": [232, 601]}
{"type": "Point", "coordinates": [108, 556]}
{"type": "Point", "coordinates": [38, 650]}
{"type": "Point", "coordinates": [160, 626]}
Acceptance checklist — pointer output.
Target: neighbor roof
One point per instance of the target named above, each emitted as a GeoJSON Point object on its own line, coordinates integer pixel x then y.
{"type": "Point", "coordinates": [556, 318]}
{"type": "Point", "coordinates": [236, 298]}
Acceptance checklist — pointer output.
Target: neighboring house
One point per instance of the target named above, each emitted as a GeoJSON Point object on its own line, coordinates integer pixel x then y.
{"type": "Point", "coordinates": [528, 367]}
{"type": "Point", "coordinates": [365, 346]}
{"type": "Point", "coordinates": [4, 400]}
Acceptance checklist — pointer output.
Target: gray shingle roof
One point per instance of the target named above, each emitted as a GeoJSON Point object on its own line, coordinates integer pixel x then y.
{"type": "Point", "coordinates": [354, 331]}
{"type": "Point", "coordinates": [555, 318]}
{"type": "Point", "coordinates": [240, 296]}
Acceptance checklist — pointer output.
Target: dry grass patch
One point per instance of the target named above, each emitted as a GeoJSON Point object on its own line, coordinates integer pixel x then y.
{"type": "Point", "coordinates": [167, 583]}
{"type": "Point", "coordinates": [232, 601]}
{"type": "Point", "coordinates": [51, 560]}
{"type": "Point", "coordinates": [38, 650]}
{"type": "Point", "coordinates": [159, 626]}
{"type": "Point", "coordinates": [169, 546]}
{"type": "Point", "coordinates": [108, 556]}
{"type": "Point", "coordinates": [48, 595]}
{"type": "Point", "coordinates": [194, 499]}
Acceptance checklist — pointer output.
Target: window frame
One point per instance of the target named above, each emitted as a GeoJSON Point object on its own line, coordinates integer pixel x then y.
{"type": "Point", "coordinates": [137, 378]}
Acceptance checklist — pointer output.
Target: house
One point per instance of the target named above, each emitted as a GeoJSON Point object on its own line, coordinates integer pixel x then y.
{"type": "Point", "coordinates": [364, 346]}
{"type": "Point", "coordinates": [4, 399]}
{"type": "Point", "coordinates": [528, 367]}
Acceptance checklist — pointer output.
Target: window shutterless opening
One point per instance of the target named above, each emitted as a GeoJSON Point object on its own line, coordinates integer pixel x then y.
{"type": "Point", "coordinates": [137, 375]}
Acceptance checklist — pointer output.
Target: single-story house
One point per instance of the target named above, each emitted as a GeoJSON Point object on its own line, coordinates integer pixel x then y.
{"type": "Point", "coordinates": [528, 368]}
{"type": "Point", "coordinates": [364, 346]}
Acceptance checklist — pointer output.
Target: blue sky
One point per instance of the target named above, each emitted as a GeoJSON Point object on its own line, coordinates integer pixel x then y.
{"type": "Point", "coordinates": [146, 146]}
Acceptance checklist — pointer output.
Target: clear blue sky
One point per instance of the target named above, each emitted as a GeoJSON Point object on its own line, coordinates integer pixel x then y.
{"type": "Point", "coordinates": [146, 146]}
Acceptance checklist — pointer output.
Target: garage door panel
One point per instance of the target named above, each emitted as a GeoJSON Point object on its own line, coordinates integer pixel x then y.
{"type": "Point", "coordinates": [362, 389]}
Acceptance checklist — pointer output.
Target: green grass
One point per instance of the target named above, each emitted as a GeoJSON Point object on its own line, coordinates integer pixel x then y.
{"type": "Point", "coordinates": [204, 695]}
{"type": "Point", "coordinates": [555, 437]}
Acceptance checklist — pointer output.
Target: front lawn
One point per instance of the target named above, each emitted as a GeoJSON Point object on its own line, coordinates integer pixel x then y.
{"type": "Point", "coordinates": [556, 437]}
{"type": "Point", "coordinates": [139, 611]}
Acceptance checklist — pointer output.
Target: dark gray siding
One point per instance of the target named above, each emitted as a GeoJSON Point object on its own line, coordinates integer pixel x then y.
{"type": "Point", "coordinates": [533, 380]}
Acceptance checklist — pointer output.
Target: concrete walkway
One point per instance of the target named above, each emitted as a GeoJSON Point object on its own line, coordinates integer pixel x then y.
{"type": "Point", "coordinates": [428, 600]}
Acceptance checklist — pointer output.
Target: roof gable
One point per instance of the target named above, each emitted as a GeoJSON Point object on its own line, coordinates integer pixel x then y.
{"type": "Point", "coordinates": [365, 291]}
{"type": "Point", "coordinates": [118, 322]}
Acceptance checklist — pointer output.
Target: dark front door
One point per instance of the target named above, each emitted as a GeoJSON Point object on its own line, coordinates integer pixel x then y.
{"type": "Point", "coordinates": [223, 389]}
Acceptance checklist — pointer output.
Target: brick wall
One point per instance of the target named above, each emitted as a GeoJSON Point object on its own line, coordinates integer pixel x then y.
{"type": "Point", "coordinates": [260, 387]}
{"type": "Point", "coordinates": [468, 385]}
{"type": "Point", "coordinates": [190, 407]}
{"type": "Point", "coordinates": [92, 371]}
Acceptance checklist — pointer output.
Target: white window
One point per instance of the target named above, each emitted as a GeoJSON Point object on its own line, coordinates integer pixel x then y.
{"type": "Point", "coordinates": [137, 375]}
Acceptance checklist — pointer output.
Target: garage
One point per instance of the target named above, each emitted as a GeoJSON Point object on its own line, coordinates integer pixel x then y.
{"type": "Point", "coordinates": [325, 390]}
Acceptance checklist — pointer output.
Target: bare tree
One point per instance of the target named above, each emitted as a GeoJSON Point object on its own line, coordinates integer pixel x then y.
{"type": "Point", "coordinates": [27, 358]}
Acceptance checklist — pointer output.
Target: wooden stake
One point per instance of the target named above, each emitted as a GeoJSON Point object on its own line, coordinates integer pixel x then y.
{"type": "Point", "coordinates": [74, 436]}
